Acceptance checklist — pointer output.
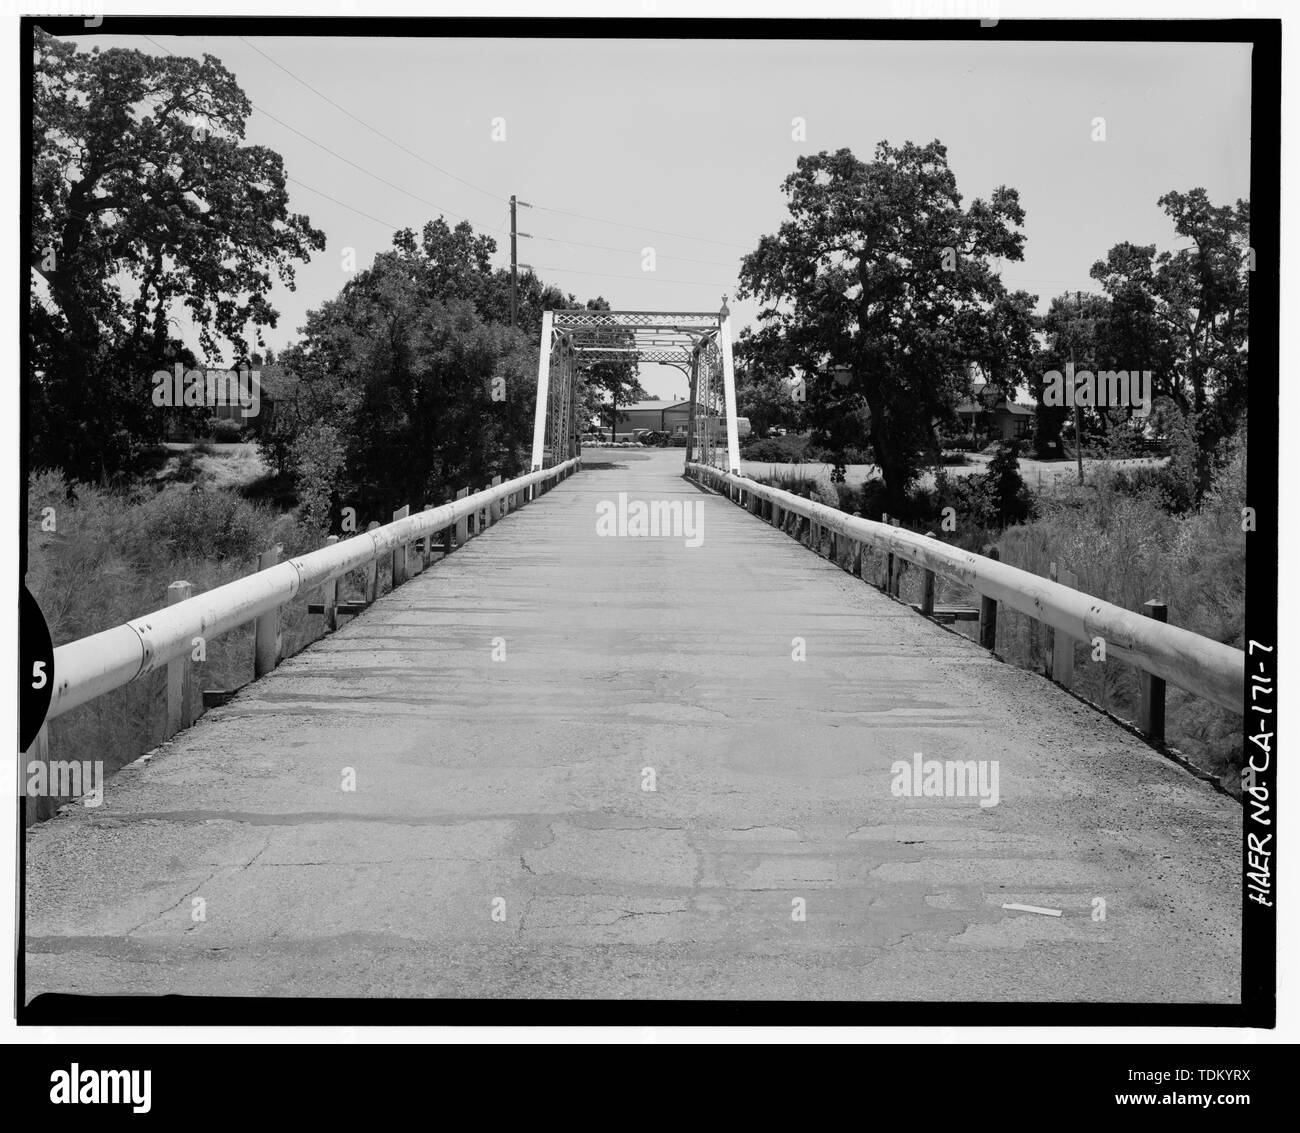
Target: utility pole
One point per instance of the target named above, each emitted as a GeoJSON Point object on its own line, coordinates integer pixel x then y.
{"type": "Point", "coordinates": [514, 262]}
{"type": "Point", "coordinates": [1078, 411]}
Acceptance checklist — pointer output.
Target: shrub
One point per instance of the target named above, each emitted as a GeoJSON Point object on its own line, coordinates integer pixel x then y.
{"type": "Point", "coordinates": [826, 494]}
{"type": "Point", "coordinates": [224, 430]}
{"type": "Point", "coordinates": [790, 449]}
{"type": "Point", "coordinates": [849, 498]}
{"type": "Point", "coordinates": [1006, 490]}
{"type": "Point", "coordinates": [187, 467]}
{"type": "Point", "coordinates": [968, 497]}
{"type": "Point", "coordinates": [850, 455]}
{"type": "Point", "coordinates": [198, 524]}
{"type": "Point", "coordinates": [796, 483]}
{"type": "Point", "coordinates": [872, 499]}
{"type": "Point", "coordinates": [1125, 440]}
{"type": "Point", "coordinates": [1147, 480]}
{"type": "Point", "coordinates": [318, 459]}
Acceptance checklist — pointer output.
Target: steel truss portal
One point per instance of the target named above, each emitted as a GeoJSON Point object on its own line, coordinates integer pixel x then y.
{"type": "Point", "coordinates": [697, 343]}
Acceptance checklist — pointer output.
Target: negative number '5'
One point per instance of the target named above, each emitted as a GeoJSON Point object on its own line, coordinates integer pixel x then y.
{"type": "Point", "coordinates": [38, 674]}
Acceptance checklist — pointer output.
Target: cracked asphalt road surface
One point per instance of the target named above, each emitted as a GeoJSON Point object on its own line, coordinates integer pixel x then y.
{"type": "Point", "coordinates": [499, 842]}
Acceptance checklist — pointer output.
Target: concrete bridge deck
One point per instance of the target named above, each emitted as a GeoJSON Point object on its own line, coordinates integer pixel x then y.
{"type": "Point", "coordinates": [499, 842]}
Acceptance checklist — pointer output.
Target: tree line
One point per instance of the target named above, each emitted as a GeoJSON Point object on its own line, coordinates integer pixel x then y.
{"type": "Point", "coordinates": [147, 204]}
{"type": "Point", "coordinates": [882, 292]}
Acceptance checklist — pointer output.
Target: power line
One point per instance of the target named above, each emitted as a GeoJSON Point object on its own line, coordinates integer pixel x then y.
{"type": "Point", "coordinates": [363, 169]}
{"type": "Point", "coordinates": [652, 276]}
{"type": "Point", "coordinates": [343, 204]}
{"type": "Point", "coordinates": [479, 188]}
{"type": "Point", "coordinates": [368, 126]}
{"type": "Point", "coordinates": [643, 228]}
{"type": "Point", "coordinates": [345, 160]}
{"type": "Point", "coordinates": [432, 204]}
{"type": "Point", "coordinates": [631, 252]}
{"type": "Point", "coordinates": [535, 268]}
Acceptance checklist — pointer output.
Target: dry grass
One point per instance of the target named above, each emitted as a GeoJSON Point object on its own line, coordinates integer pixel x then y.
{"type": "Point", "coordinates": [111, 559]}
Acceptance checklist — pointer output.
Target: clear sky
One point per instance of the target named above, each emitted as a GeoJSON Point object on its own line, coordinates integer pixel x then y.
{"type": "Point", "coordinates": [693, 137]}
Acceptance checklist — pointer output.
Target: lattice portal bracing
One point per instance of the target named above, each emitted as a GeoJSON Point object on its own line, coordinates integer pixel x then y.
{"type": "Point", "coordinates": [697, 343]}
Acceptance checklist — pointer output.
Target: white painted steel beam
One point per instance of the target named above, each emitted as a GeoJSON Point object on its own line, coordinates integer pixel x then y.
{"type": "Point", "coordinates": [543, 384]}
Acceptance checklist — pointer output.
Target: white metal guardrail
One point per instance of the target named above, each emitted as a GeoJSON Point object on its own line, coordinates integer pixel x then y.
{"type": "Point", "coordinates": [92, 666]}
{"type": "Point", "coordinates": [1198, 664]}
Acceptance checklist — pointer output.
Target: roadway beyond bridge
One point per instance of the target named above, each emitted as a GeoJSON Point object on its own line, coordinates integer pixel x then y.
{"type": "Point", "coordinates": [500, 841]}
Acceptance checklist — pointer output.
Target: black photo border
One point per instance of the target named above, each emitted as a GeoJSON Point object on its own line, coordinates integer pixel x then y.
{"type": "Point", "coordinates": [1259, 928]}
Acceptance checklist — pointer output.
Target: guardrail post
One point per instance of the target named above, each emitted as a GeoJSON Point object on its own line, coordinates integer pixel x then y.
{"type": "Point", "coordinates": [1062, 645]}
{"type": "Point", "coordinates": [266, 634]}
{"type": "Point", "coordinates": [330, 595]}
{"type": "Point", "coordinates": [927, 588]}
{"type": "Point", "coordinates": [399, 552]}
{"type": "Point", "coordinates": [494, 508]}
{"type": "Point", "coordinates": [896, 568]}
{"type": "Point", "coordinates": [372, 571]}
{"type": "Point", "coordinates": [462, 524]}
{"type": "Point", "coordinates": [179, 695]}
{"type": "Point", "coordinates": [888, 585]}
{"type": "Point", "coordinates": [428, 543]}
{"type": "Point", "coordinates": [989, 611]}
{"type": "Point", "coordinates": [1049, 636]}
{"type": "Point", "coordinates": [1151, 708]}
{"type": "Point", "coordinates": [988, 622]}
